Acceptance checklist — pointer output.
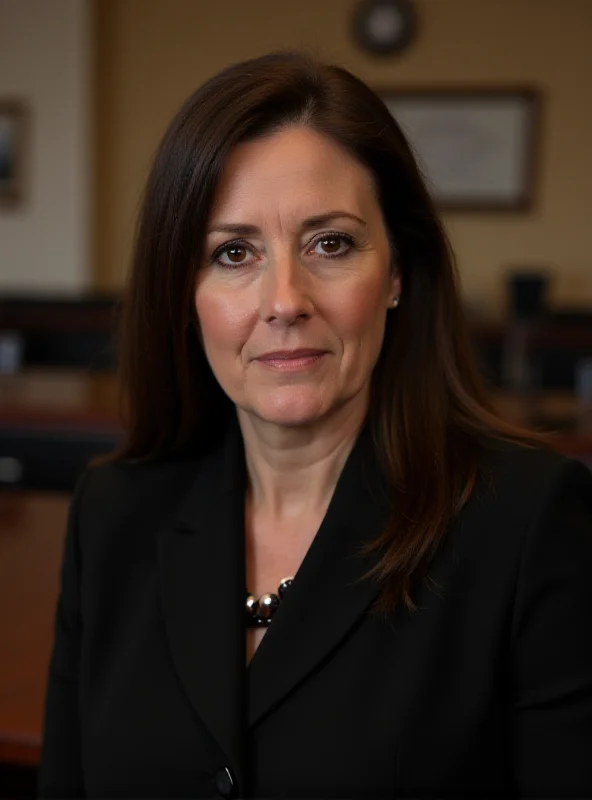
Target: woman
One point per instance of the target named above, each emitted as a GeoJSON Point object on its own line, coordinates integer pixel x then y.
{"type": "Point", "coordinates": [305, 422]}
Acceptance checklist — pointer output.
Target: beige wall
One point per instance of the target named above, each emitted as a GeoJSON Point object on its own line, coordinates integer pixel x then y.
{"type": "Point", "coordinates": [45, 63]}
{"type": "Point", "coordinates": [153, 53]}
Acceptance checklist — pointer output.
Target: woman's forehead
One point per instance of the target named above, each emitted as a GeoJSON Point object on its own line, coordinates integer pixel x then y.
{"type": "Point", "coordinates": [296, 172]}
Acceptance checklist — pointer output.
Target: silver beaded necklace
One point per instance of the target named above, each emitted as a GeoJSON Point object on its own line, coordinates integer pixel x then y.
{"type": "Point", "coordinates": [259, 612]}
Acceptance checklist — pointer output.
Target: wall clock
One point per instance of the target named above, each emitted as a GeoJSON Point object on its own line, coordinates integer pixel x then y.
{"type": "Point", "coordinates": [384, 27]}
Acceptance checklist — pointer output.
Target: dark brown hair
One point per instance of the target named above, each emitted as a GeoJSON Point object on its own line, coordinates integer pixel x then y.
{"type": "Point", "coordinates": [429, 412]}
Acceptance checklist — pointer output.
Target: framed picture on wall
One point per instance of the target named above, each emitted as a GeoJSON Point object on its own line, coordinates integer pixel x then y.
{"type": "Point", "coordinates": [477, 147]}
{"type": "Point", "coordinates": [13, 119]}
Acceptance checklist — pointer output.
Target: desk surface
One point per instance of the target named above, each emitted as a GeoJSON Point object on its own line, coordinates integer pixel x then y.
{"type": "Point", "coordinates": [568, 422]}
{"type": "Point", "coordinates": [32, 527]}
{"type": "Point", "coordinates": [69, 400]}
{"type": "Point", "coordinates": [59, 399]}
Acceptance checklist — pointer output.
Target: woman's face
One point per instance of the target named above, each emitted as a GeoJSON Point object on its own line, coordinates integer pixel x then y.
{"type": "Point", "coordinates": [296, 279]}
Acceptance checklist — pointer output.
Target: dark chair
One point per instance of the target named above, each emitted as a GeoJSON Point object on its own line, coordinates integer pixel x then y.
{"type": "Point", "coordinates": [38, 460]}
{"type": "Point", "coordinates": [76, 332]}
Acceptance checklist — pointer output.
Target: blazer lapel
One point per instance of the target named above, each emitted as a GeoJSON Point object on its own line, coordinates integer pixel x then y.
{"type": "Point", "coordinates": [324, 601]}
{"type": "Point", "coordinates": [202, 587]}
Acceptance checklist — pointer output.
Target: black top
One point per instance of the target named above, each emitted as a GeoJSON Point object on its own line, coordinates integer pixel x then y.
{"type": "Point", "coordinates": [485, 689]}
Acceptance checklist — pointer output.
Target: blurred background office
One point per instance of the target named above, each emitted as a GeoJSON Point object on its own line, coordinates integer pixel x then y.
{"type": "Point", "coordinates": [496, 98]}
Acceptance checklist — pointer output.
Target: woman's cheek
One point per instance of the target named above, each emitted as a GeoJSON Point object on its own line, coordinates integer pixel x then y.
{"type": "Point", "coordinates": [357, 312]}
{"type": "Point", "coordinates": [224, 321]}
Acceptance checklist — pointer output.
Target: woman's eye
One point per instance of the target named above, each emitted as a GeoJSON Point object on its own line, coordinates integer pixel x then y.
{"type": "Point", "coordinates": [332, 245]}
{"type": "Point", "coordinates": [235, 255]}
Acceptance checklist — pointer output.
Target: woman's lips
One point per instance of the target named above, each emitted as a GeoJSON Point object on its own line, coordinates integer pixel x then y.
{"type": "Point", "coordinates": [291, 360]}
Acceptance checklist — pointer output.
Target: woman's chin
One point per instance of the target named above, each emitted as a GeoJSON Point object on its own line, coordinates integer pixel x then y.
{"type": "Point", "coordinates": [289, 411]}
{"type": "Point", "coordinates": [289, 419]}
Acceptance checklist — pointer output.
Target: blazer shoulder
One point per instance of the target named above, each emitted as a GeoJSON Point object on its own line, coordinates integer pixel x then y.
{"type": "Point", "coordinates": [526, 482]}
{"type": "Point", "coordinates": [508, 461]}
{"type": "Point", "coordinates": [112, 496]}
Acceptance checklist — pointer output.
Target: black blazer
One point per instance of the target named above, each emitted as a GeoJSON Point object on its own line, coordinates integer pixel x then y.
{"type": "Point", "coordinates": [485, 690]}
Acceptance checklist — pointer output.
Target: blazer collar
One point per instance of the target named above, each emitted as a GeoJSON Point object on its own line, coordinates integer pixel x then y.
{"type": "Point", "coordinates": [202, 586]}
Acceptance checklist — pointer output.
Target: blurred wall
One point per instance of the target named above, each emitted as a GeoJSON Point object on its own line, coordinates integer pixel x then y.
{"type": "Point", "coordinates": [45, 62]}
{"type": "Point", "coordinates": [152, 54]}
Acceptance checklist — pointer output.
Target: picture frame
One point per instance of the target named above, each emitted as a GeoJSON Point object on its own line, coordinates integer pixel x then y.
{"type": "Point", "coordinates": [13, 132]}
{"type": "Point", "coordinates": [477, 147]}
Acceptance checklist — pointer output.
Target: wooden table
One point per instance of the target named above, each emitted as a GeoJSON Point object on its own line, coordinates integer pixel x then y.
{"type": "Point", "coordinates": [60, 399]}
{"type": "Point", "coordinates": [69, 400]}
{"type": "Point", "coordinates": [32, 527]}
{"type": "Point", "coordinates": [568, 422]}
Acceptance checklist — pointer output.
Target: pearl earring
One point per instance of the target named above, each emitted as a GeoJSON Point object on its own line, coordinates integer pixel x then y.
{"type": "Point", "coordinates": [395, 301]}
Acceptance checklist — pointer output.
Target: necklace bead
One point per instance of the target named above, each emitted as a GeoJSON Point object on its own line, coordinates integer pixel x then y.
{"type": "Point", "coordinates": [259, 612]}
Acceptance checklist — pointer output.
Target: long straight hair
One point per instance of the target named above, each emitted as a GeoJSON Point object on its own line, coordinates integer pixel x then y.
{"type": "Point", "coordinates": [428, 412]}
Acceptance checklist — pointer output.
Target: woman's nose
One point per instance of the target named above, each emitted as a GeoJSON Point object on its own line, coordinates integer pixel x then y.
{"type": "Point", "coordinates": [285, 292]}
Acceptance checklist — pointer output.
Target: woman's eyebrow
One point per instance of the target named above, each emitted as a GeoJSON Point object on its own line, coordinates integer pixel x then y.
{"type": "Point", "coordinates": [310, 222]}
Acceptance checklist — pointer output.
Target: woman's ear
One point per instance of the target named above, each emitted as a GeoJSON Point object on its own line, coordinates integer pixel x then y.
{"type": "Point", "coordinates": [395, 286]}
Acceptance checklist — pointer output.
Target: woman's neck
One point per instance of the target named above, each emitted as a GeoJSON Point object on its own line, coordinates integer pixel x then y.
{"type": "Point", "coordinates": [292, 471]}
